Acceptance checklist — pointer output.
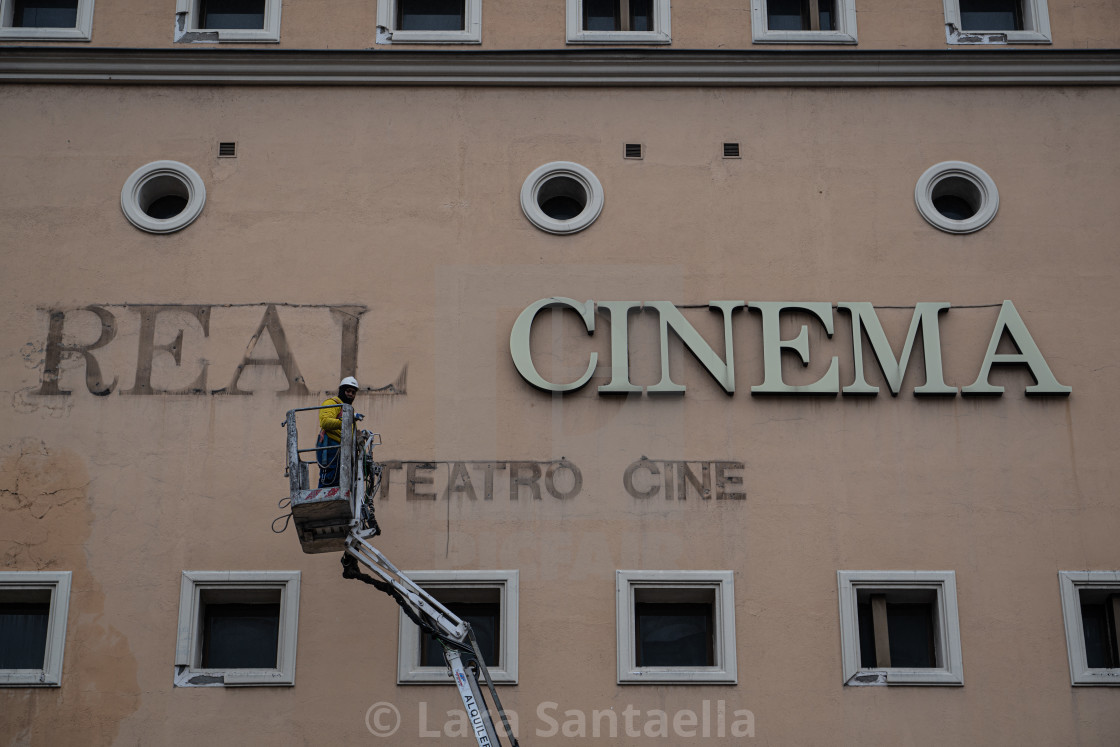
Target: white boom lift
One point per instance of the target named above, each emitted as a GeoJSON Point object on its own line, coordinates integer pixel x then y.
{"type": "Point", "coordinates": [341, 518]}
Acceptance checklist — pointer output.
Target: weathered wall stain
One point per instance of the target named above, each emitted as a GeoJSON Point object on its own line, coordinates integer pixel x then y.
{"type": "Point", "coordinates": [45, 523]}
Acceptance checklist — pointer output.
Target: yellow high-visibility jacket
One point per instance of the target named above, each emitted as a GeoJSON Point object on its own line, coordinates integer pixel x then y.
{"type": "Point", "coordinates": [330, 419]}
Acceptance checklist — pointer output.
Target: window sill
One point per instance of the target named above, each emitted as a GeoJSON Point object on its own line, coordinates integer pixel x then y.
{"type": "Point", "coordinates": [678, 675]}
{"type": "Point", "coordinates": [218, 36]}
{"type": "Point", "coordinates": [619, 37]}
{"type": "Point", "coordinates": [892, 676]}
{"type": "Point", "coordinates": [805, 37]}
{"type": "Point", "coordinates": [953, 35]}
{"type": "Point", "coordinates": [188, 677]}
{"type": "Point", "coordinates": [428, 37]}
{"type": "Point", "coordinates": [43, 34]}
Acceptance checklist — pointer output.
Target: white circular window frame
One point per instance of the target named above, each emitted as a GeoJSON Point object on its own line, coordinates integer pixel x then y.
{"type": "Point", "coordinates": [559, 169]}
{"type": "Point", "coordinates": [144, 176]}
{"type": "Point", "coordinates": [985, 187]}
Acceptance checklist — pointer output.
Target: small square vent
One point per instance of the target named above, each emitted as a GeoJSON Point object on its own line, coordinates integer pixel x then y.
{"type": "Point", "coordinates": [227, 150]}
{"type": "Point", "coordinates": [633, 150]}
{"type": "Point", "coordinates": [731, 150]}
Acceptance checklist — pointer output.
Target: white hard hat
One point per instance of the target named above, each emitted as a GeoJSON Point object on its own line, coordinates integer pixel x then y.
{"type": "Point", "coordinates": [349, 381]}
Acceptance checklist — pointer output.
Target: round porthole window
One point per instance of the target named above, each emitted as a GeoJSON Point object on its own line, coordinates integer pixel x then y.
{"type": "Point", "coordinates": [562, 197]}
{"type": "Point", "coordinates": [956, 197]}
{"type": "Point", "coordinates": [163, 196]}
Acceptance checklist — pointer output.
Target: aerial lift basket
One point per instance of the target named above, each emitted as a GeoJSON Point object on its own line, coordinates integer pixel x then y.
{"type": "Point", "coordinates": [324, 516]}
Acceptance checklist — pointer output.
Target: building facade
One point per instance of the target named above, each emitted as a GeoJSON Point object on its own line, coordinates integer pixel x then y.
{"type": "Point", "coordinates": [743, 369]}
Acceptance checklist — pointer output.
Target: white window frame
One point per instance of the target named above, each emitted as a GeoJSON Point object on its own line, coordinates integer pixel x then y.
{"type": "Point", "coordinates": [188, 647]}
{"type": "Point", "coordinates": [1071, 584]}
{"type": "Point", "coordinates": [58, 583]}
{"type": "Point", "coordinates": [187, 11]}
{"type": "Point", "coordinates": [82, 31]}
{"type": "Point", "coordinates": [948, 635]}
{"type": "Point", "coordinates": [845, 32]}
{"type": "Point", "coordinates": [387, 33]}
{"type": "Point", "coordinates": [155, 177]}
{"type": "Point", "coordinates": [722, 584]}
{"type": "Point", "coordinates": [1036, 26]}
{"type": "Point", "coordinates": [541, 176]}
{"type": "Point", "coordinates": [410, 672]}
{"type": "Point", "coordinates": [661, 34]}
{"type": "Point", "coordinates": [983, 185]}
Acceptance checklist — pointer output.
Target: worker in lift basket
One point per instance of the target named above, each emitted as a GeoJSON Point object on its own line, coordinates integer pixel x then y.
{"type": "Point", "coordinates": [331, 433]}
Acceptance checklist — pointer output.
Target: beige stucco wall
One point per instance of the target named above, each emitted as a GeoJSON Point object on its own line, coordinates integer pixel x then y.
{"type": "Point", "coordinates": [406, 201]}
{"type": "Point", "coordinates": [540, 24]}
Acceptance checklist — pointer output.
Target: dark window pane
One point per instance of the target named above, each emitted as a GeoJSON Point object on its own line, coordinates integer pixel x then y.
{"type": "Point", "coordinates": [430, 15]}
{"type": "Point", "coordinates": [866, 637]}
{"type": "Point", "coordinates": [601, 15]}
{"type": "Point", "coordinates": [787, 15]}
{"type": "Point", "coordinates": [674, 635]}
{"type": "Point", "coordinates": [562, 198]}
{"type": "Point", "coordinates": [240, 636]}
{"type": "Point", "coordinates": [827, 12]}
{"type": "Point", "coordinates": [50, 14]}
{"type": "Point", "coordinates": [641, 15]}
{"type": "Point", "coordinates": [485, 619]}
{"type": "Point", "coordinates": [953, 207]}
{"type": "Point", "coordinates": [231, 14]}
{"type": "Point", "coordinates": [23, 629]}
{"type": "Point", "coordinates": [167, 206]}
{"type": "Point", "coordinates": [910, 629]}
{"type": "Point", "coordinates": [796, 15]}
{"type": "Point", "coordinates": [1098, 625]}
{"type": "Point", "coordinates": [991, 15]}
{"type": "Point", "coordinates": [561, 207]}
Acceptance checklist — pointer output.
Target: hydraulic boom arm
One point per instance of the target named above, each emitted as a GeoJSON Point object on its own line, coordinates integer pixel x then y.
{"type": "Point", "coordinates": [324, 516]}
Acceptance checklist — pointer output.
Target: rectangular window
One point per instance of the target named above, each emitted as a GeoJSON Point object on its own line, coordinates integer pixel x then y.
{"type": "Point", "coordinates": [429, 21]}
{"type": "Point", "coordinates": [431, 15]}
{"type": "Point", "coordinates": [618, 15]}
{"type": "Point", "coordinates": [231, 14]}
{"type": "Point", "coordinates": [803, 21]}
{"type": "Point", "coordinates": [1091, 609]}
{"type": "Point", "coordinates": [33, 610]}
{"type": "Point", "coordinates": [618, 22]}
{"type": "Point", "coordinates": [800, 15]}
{"type": "Point", "coordinates": [899, 628]}
{"type": "Point", "coordinates": [482, 608]}
{"type": "Point", "coordinates": [237, 628]}
{"type": "Point", "coordinates": [24, 614]}
{"type": "Point", "coordinates": [47, 20]}
{"type": "Point", "coordinates": [227, 21]}
{"type": "Point", "coordinates": [485, 599]}
{"type": "Point", "coordinates": [897, 633]}
{"type": "Point", "coordinates": [668, 633]}
{"type": "Point", "coordinates": [997, 21]}
{"type": "Point", "coordinates": [676, 626]}
{"type": "Point", "coordinates": [988, 15]}
{"type": "Point", "coordinates": [55, 14]}
{"type": "Point", "coordinates": [240, 628]}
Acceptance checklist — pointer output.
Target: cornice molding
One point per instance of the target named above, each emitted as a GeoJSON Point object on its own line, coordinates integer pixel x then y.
{"type": "Point", "coordinates": [23, 64]}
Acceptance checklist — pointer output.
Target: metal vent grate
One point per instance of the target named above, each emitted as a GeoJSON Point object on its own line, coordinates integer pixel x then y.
{"type": "Point", "coordinates": [633, 150]}
{"type": "Point", "coordinates": [227, 150]}
{"type": "Point", "coordinates": [731, 150]}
